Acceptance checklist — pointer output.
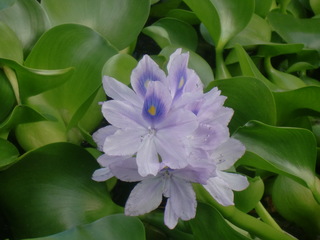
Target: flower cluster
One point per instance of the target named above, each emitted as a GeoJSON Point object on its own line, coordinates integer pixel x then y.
{"type": "Point", "coordinates": [167, 133]}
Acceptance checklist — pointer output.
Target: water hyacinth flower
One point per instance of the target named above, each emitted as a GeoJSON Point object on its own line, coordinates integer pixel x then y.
{"type": "Point", "coordinates": [166, 133]}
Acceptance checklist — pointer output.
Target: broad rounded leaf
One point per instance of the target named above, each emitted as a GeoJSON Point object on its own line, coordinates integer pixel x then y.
{"type": "Point", "coordinates": [119, 21]}
{"type": "Point", "coordinates": [114, 227]}
{"type": "Point", "coordinates": [50, 190]}
{"type": "Point", "coordinates": [223, 19]}
{"type": "Point", "coordinates": [7, 97]}
{"type": "Point", "coordinates": [8, 153]}
{"type": "Point", "coordinates": [64, 46]}
{"type": "Point", "coordinates": [295, 103]}
{"type": "Point", "coordinates": [248, 199]}
{"type": "Point", "coordinates": [295, 202]}
{"type": "Point", "coordinates": [288, 151]}
{"type": "Point", "coordinates": [170, 31]}
{"type": "Point", "coordinates": [184, 15]}
{"type": "Point", "coordinates": [294, 30]}
{"type": "Point", "coordinates": [120, 67]}
{"type": "Point", "coordinates": [31, 23]}
{"type": "Point", "coordinates": [35, 81]}
{"type": "Point", "coordinates": [21, 114]}
{"type": "Point", "coordinates": [11, 47]}
{"type": "Point", "coordinates": [249, 98]}
{"type": "Point", "coordinates": [257, 31]}
{"type": "Point", "coordinates": [6, 3]}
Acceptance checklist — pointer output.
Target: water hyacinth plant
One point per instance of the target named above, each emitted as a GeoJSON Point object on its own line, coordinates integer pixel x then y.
{"type": "Point", "coordinates": [168, 134]}
{"type": "Point", "coordinates": [159, 119]}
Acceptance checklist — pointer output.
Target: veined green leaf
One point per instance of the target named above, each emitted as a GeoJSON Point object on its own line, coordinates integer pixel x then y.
{"type": "Point", "coordinates": [118, 21]}
{"type": "Point", "coordinates": [170, 31]}
{"type": "Point", "coordinates": [54, 179]}
{"type": "Point", "coordinates": [288, 151]}
{"type": "Point", "coordinates": [27, 19]}
{"type": "Point", "coordinates": [8, 153]}
{"type": "Point", "coordinates": [115, 226]}
{"type": "Point", "coordinates": [249, 98]}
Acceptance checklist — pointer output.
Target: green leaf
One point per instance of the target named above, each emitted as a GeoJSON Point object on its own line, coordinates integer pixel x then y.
{"type": "Point", "coordinates": [11, 47]}
{"type": "Point", "coordinates": [209, 224]}
{"type": "Point", "coordinates": [64, 46]}
{"type": "Point", "coordinates": [6, 3]}
{"type": "Point", "coordinates": [170, 31]}
{"type": "Point", "coordinates": [8, 154]}
{"type": "Point", "coordinates": [163, 7]}
{"type": "Point", "coordinates": [7, 97]}
{"type": "Point", "coordinates": [295, 202]}
{"type": "Point", "coordinates": [32, 81]}
{"type": "Point", "coordinates": [248, 199]}
{"type": "Point", "coordinates": [249, 98]}
{"type": "Point", "coordinates": [196, 62]}
{"type": "Point", "coordinates": [257, 31]}
{"type": "Point", "coordinates": [183, 15]}
{"type": "Point", "coordinates": [50, 190]}
{"type": "Point", "coordinates": [294, 30]}
{"type": "Point", "coordinates": [20, 114]}
{"type": "Point", "coordinates": [249, 68]}
{"type": "Point", "coordinates": [283, 80]}
{"type": "Point", "coordinates": [115, 226]}
{"type": "Point", "coordinates": [295, 103]}
{"type": "Point", "coordinates": [276, 49]}
{"type": "Point", "coordinates": [315, 5]}
{"type": "Point", "coordinates": [119, 22]}
{"type": "Point", "coordinates": [288, 151]}
{"type": "Point", "coordinates": [31, 23]}
{"type": "Point", "coordinates": [223, 19]}
{"type": "Point", "coordinates": [120, 67]}
{"type": "Point", "coordinates": [262, 8]}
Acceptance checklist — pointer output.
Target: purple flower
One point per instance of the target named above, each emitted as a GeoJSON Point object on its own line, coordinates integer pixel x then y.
{"type": "Point", "coordinates": [174, 184]}
{"type": "Point", "coordinates": [147, 126]}
{"type": "Point", "coordinates": [166, 133]}
{"type": "Point", "coordinates": [222, 185]}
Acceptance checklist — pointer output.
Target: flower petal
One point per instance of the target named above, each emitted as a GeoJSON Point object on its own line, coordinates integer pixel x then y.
{"type": "Point", "coordinates": [179, 123]}
{"type": "Point", "coordinates": [170, 217]}
{"type": "Point", "coordinates": [172, 151]}
{"type": "Point", "coordinates": [122, 115]}
{"type": "Point", "coordinates": [228, 153]}
{"type": "Point", "coordinates": [181, 202]}
{"type": "Point", "coordinates": [123, 142]}
{"type": "Point", "coordinates": [126, 169]}
{"type": "Point", "coordinates": [220, 191]}
{"type": "Point", "coordinates": [119, 91]}
{"type": "Point", "coordinates": [100, 135]}
{"type": "Point", "coordinates": [195, 174]}
{"type": "Point", "coordinates": [208, 136]}
{"type": "Point", "coordinates": [157, 103]}
{"type": "Point", "coordinates": [147, 157]}
{"type": "Point", "coordinates": [145, 197]}
{"type": "Point", "coordinates": [235, 181]}
{"type": "Point", "coordinates": [102, 174]}
{"type": "Point", "coordinates": [146, 71]}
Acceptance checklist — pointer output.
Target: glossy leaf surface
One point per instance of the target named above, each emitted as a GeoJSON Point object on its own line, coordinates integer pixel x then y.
{"type": "Point", "coordinates": [31, 23]}
{"type": "Point", "coordinates": [223, 19]}
{"type": "Point", "coordinates": [54, 179]}
{"type": "Point", "coordinates": [240, 92]}
{"type": "Point", "coordinates": [112, 227]}
{"type": "Point", "coordinates": [169, 31]}
{"type": "Point", "coordinates": [106, 17]}
{"type": "Point", "coordinates": [287, 151]}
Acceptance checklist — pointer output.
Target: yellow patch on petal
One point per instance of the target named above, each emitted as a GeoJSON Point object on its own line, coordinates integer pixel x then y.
{"type": "Point", "coordinates": [152, 110]}
{"type": "Point", "coordinates": [181, 83]}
